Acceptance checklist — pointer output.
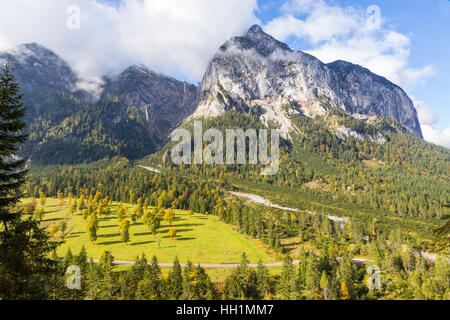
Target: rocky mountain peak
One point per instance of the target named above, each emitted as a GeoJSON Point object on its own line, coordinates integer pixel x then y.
{"type": "Point", "coordinates": [161, 101]}
{"type": "Point", "coordinates": [39, 68]}
{"type": "Point", "coordinates": [256, 38]}
{"type": "Point", "coordinates": [275, 74]}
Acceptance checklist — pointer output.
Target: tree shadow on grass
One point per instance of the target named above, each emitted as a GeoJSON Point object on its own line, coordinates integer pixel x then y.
{"type": "Point", "coordinates": [109, 235]}
{"type": "Point", "coordinates": [110, 242]}
{"type": "Point", "coordinates": [185, 239]}
{"type": "Point", "coordinates": [53, 220]}
{"type": "Point", "coordinates": [50, 211]}
{"type": "Point", "coordinates": [189, 225]}
{"type": "Point", "coordinates": [141, 243]}
{"type": "Point", "coordinates": [74, 235]}
{"type": "Point", "coordinates": [109, 226]}
{"type": "Point", "coordinates": [105, 219]}
{"type": "Point", "coordinates": [179, 230]}
{"type": "Point", "coordinates": [142, 234]}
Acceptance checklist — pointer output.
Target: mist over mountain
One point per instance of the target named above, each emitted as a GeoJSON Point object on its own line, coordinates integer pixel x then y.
{"type": "Point", "coordinates": [132, 113]}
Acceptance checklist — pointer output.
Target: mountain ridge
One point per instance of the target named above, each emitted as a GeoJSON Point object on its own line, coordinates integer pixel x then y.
{"type": "Point", "coordinates": [253, 73]}
{"type": "Point", "coordinates": [256, 66]}
{"type": "Point", "coordinates": [146, 103]}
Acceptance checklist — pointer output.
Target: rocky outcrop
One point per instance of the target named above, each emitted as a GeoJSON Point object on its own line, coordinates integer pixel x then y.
{"type": "Point", "coordinates": [258, 69]}
{"type": "Point", "coordinates": [363, 92]}
{"type": "Point", "coordinates": [162, 101]}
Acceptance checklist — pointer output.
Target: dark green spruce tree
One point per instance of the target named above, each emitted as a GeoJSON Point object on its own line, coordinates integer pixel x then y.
{"type": "Point", "coordinates": [24, 247]}
{"type": "Point", "coordinates": [174, 283]}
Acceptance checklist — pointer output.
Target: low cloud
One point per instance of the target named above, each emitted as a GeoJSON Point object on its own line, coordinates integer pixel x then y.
{"type": "Point", "coordinates": [436, 136]}
{"type": "Point", "coordinates": [169, 36]}
{"type": "Point", "coordinates": [429, 118]}
{"type": "Point", "coordinates": [427, 115]}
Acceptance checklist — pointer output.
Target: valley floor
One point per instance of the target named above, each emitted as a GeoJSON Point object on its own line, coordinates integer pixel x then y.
{"type": "Point", "coordinates": [200, 238]}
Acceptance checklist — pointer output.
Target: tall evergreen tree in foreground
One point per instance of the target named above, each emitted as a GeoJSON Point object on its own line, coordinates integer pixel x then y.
{"type": "Point", "coordinates": [12, 174]}
{"type": "Point", "coordinates": [24, 246]}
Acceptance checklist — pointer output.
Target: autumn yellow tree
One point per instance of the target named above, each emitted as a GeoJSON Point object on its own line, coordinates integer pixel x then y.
{"type": "Point", "coordinates": [172, 233]}
{"type": "Point", "coordinates": [169, 216]}
{"type": "Point", "coordinates": [343, 292]}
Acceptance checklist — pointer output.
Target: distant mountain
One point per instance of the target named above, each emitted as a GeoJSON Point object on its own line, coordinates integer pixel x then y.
{"type": "Point", "coordinates": [161, 101]}
{"type": "Point", "coordinates": [132, 114]}
{"type": "Point", "coordinates": [256, 71]}
{"type": "Point", "coordinates": [37, 67]}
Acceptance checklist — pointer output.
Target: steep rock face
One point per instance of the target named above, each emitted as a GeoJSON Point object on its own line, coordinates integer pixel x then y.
{"type": "Point", "coordinates": [162, 101]}
{"type": "Point", "coordinates": [256, 69]}
{"type": "Point", "coordinates": [46, 81]}
{"type": "Point", "coordinates": [364, 92]}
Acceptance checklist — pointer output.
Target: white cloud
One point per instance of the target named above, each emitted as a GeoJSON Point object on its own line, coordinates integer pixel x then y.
{"type": "Point", "coordinates": [427, 115]}
{"type": "Point", "coordinates": [346, 33]}
{"type": "Point", "coordinates": [4, 43]}
{"type": "Point", "coordinates": [170, 36]}
{"type": "Point", "coordinates": [322, 22]}
{"type": "Point", "coordinates": [436, 136]}
{"type": "Point", "coordinates": [428, 118]}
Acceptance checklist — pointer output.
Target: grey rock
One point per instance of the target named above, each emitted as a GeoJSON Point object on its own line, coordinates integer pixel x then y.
{"type": "Point", "coordinates": [37, 67]}
{"type": "Point", "coordinates": [256, 68]}
{"type": "Point", "coordinates": [162, 101]}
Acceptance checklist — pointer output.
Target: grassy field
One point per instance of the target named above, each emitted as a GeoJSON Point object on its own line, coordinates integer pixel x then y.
{"type": "Point", "coordinates": [200, 238]}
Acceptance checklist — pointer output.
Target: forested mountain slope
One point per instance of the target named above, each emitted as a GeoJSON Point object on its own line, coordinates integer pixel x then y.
{"type": "Point", "coordinates": [71, 120]}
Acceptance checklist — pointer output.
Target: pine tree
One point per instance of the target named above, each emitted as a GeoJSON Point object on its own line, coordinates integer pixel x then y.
{"type": "Point", "coordinates": [174, 283]}
{"type": "Point", "coordinates": [263, 280]}
{"type": "Point", "coordinates": [68, 259]}
{"type": "Point", "coordinates": [11, 126]}
{"type": "Point", "coordinates": [25, 266]}
{"type": "Point", "coordinates": [288, 280]}
{"type": "Point", "coordinates": [91, 227]}
{"type": "Point", "coordinates": [187, 281]}
{"type": "Point", "coordinates": [82, 258]}
{"type": "Point", "coordinates": [152, 284]}
{"type": "Point", "coordinates": [324, 284]}
{"type": "Point", "coordinates": [107, 282]}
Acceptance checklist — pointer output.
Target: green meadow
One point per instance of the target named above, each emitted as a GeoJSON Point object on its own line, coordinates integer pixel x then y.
{"type": "Point", "coordinates": [200, 238]}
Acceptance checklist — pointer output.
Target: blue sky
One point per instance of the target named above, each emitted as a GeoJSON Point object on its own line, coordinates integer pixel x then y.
{"type": "Point", "coordinates": [409, 44]}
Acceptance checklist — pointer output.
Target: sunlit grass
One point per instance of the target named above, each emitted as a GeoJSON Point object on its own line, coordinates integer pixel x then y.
{"type": "Point", "coordinates": [200, 238]}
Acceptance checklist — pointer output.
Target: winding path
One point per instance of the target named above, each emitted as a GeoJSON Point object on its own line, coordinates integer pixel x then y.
{"type": "Point", "coordinates": [260, 200]}
{"type": "Point", "coordinates": [149, 169]}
